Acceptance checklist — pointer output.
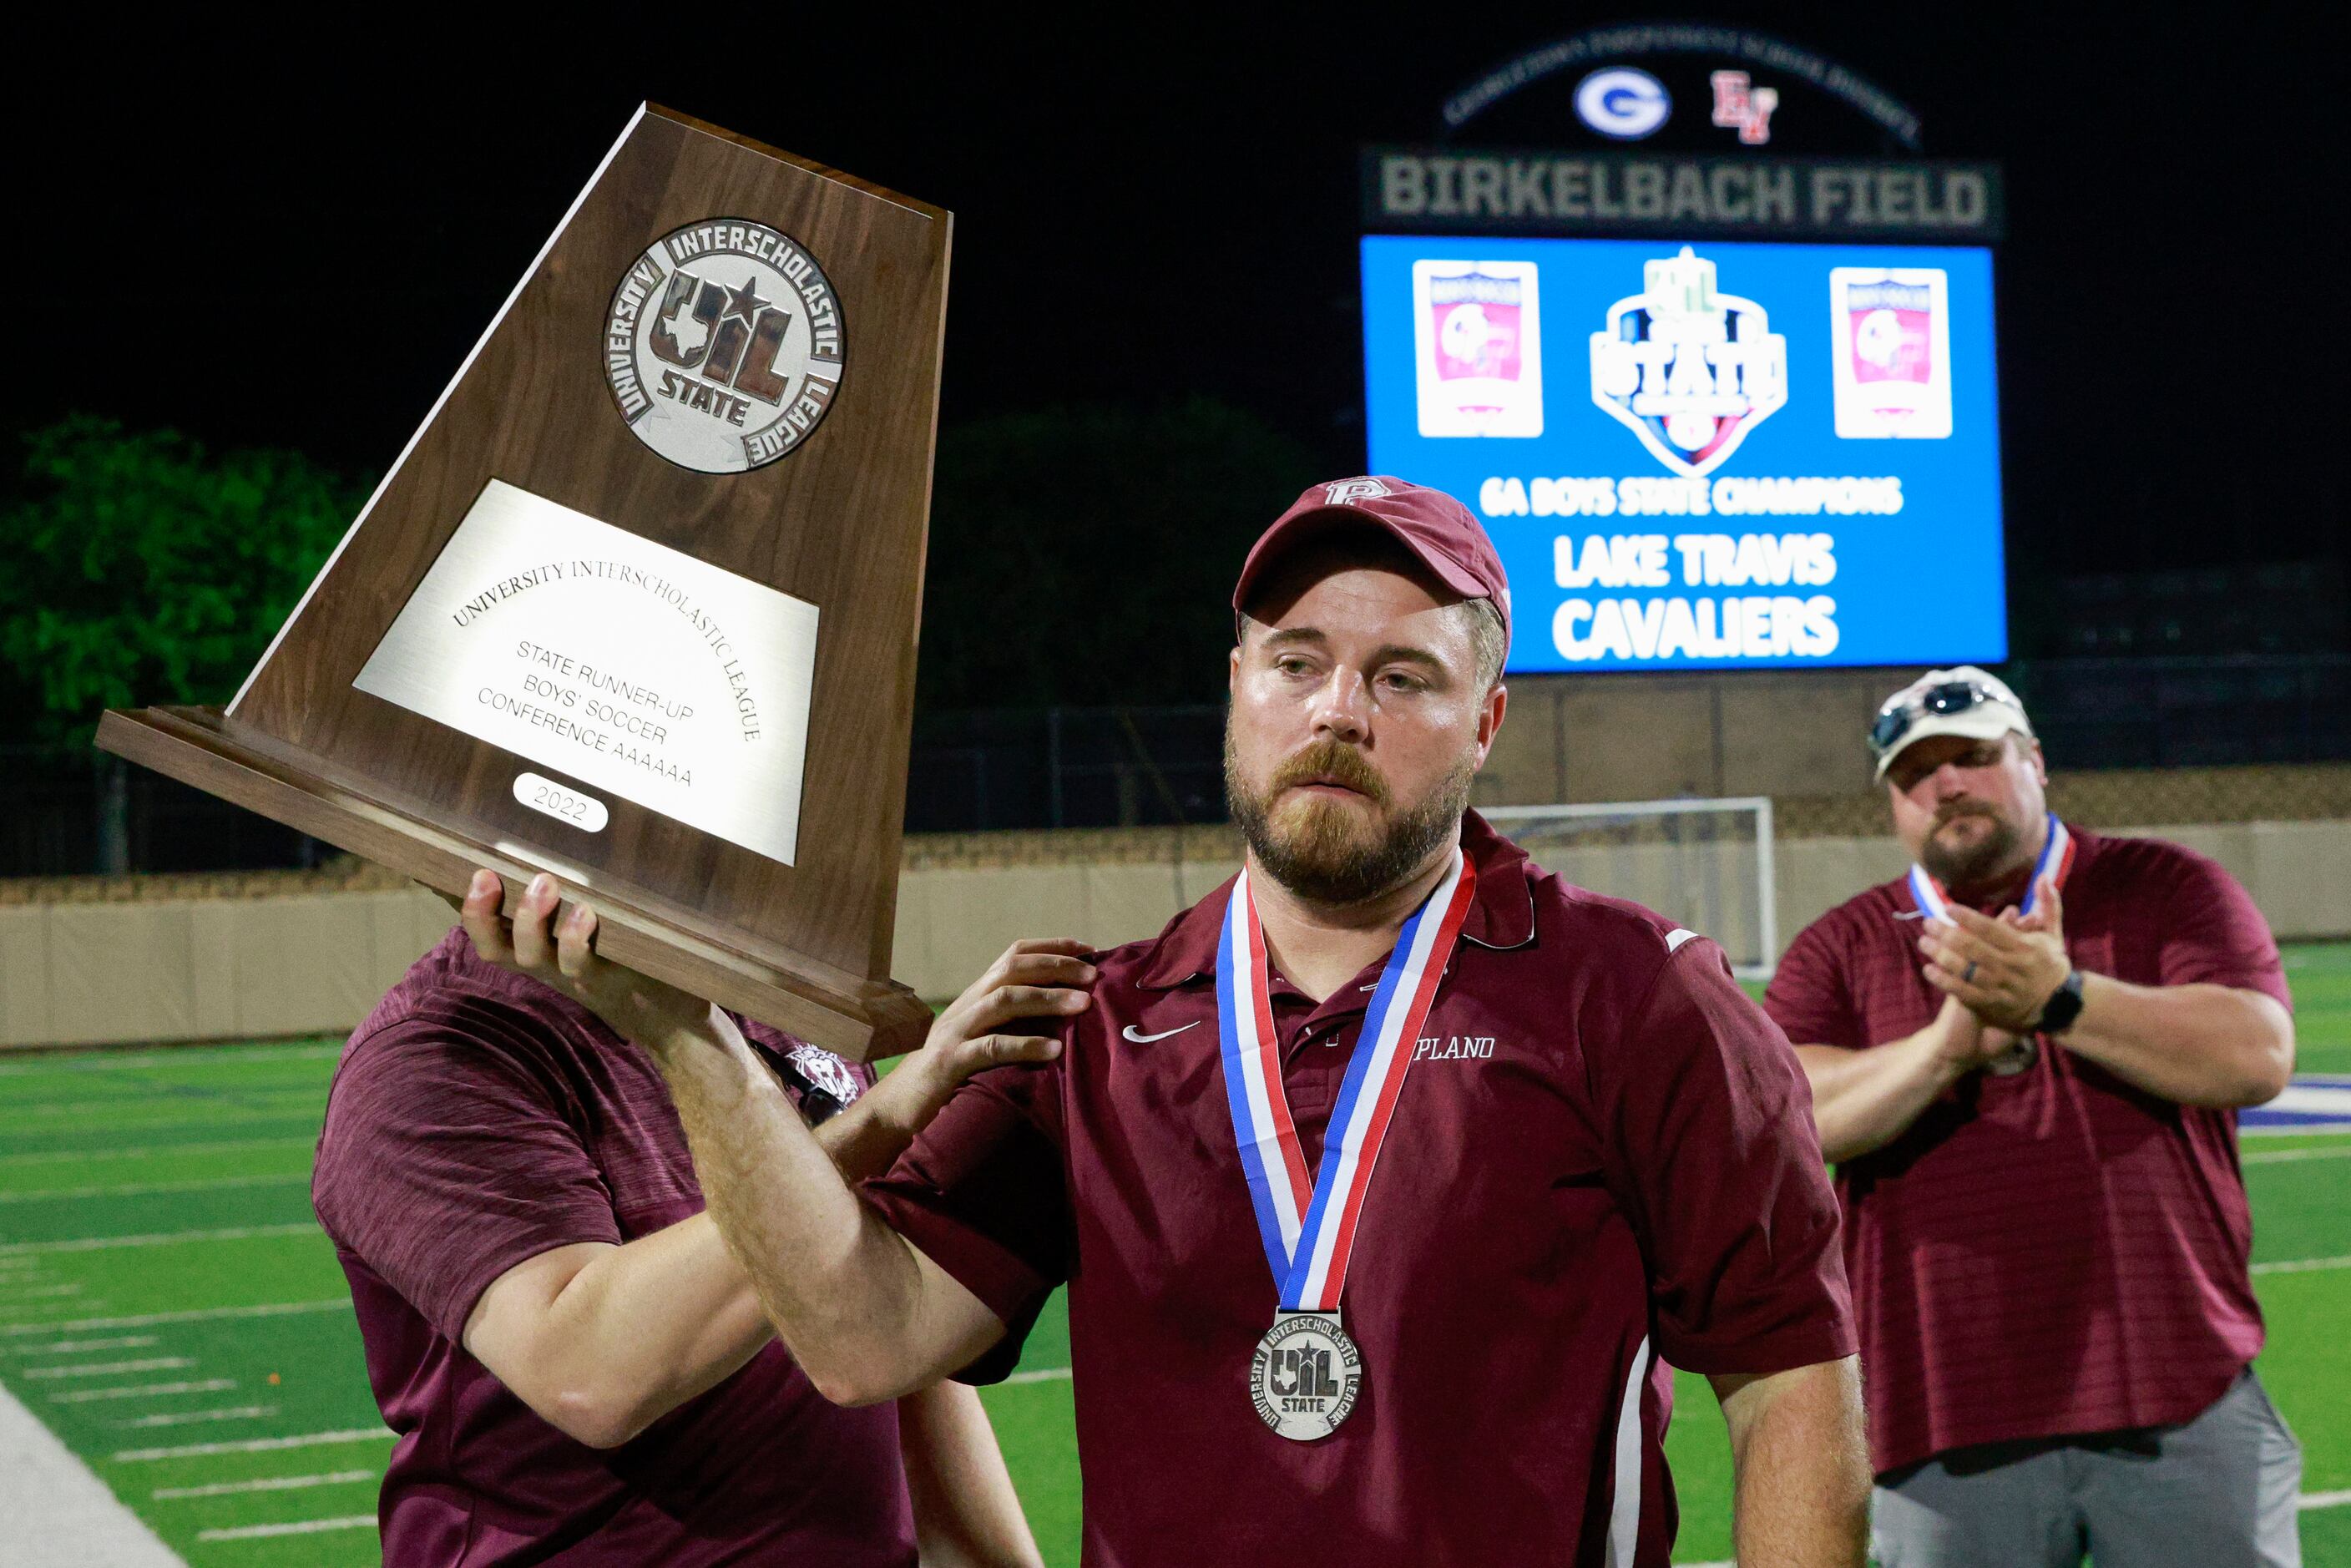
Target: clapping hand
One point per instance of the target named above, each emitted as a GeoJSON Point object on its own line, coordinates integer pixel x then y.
{"type": "Point", "coordinates": [1967, 1043]}
{"type": "Point", "coordinates": [2002, 970]}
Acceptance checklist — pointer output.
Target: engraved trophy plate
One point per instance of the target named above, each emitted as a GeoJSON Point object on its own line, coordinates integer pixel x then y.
{"type": "Point", "coordinates": [627, 664]}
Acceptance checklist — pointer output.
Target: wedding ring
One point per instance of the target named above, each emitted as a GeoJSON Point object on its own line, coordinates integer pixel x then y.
{"type": "Point", "coordinates": [1969, 976]}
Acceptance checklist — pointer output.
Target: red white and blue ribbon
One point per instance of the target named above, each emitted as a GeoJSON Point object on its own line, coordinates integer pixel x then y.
{"type": "Point", "coordinates": [1928, 895]}
{"type": "Point", "coordinates": [1309, 1225]}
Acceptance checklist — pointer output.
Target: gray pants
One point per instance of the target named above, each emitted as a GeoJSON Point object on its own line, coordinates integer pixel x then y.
{"type": "Point", "coordinates": [2218, 1492]}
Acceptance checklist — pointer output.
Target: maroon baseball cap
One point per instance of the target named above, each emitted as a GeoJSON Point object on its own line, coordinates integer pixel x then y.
{"type": "Point", "coordinates": [1441, 533]}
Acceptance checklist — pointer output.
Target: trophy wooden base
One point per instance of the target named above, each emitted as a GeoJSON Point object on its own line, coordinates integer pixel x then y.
{"type": "Point", "coordinates": [856, 1017]}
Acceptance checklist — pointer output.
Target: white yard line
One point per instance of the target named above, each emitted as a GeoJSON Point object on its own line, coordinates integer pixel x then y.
{"type": "Point", "coordinates": [1042, 1375]}
{"type": "Point", "coordinates": [2301, 1265]}
{"type": "Point", "coordinates": [154, 1151]}
{"type": "Point", "coordinates": [268, 1483]}
{"type": "Point", "coordinates": [106, 1368]}
{"type": "Point", "coordinates": [296, 1527]}
{"type": "Point", "coordinates": [255, 1444]}
{"type": "Point", "coordinates": [162, 1239]}
{"type": "Point", "coordinates": [257, 1107]}
{"type": "Point", "coordinates": [2306, 1106]}
{"type": "Point", "coordinates": [55, 1513]}
{"type": "Point", "coordinates": [78, 1346]}
{"type": "Point", "coordinates": [2313, 1097]}
{"type": "Point", "coordinates": [189, 1418]}
{"type": "Point", "coordinates": [145, 1188]}
{"type": "Point", "coordinates": [139, 1391]}
{"type": "Point", "coordinates": [188, 1315]}
{"type": "Point", "coordinates": [2275, 1157]}
{"type": "Point", "coordinates": [102, 1062]}
{"type": "Point", "coordinates": [41, 1292]}
{"type": "Point", "coordinates": [2324, 1499]}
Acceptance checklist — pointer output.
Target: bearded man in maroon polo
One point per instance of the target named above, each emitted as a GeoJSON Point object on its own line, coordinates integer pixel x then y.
{"type": "Point", "coordinates": [1386, 1181]}
{"type": "Point", "coordinates": [2026, 1056]}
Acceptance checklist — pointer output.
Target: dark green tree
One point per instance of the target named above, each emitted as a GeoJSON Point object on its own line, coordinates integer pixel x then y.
{"type": "Point", "coordinates": [1087, 555]}
{"type": "Point", "coordinates": [142, 568]}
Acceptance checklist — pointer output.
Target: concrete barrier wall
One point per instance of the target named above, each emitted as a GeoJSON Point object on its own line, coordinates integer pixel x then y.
{"type": "Point", "coordinates": [1654, 735]}
{"type": "Point", "coordinates": [77, 974]}
{"type": "Point", "coordinates": [211, 968]}
{"type": "Point", "coordinates": [951, 926]}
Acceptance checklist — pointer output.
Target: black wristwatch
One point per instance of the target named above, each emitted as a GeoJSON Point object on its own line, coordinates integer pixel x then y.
{"type": "Point", "coordinates": [2064, 1005]}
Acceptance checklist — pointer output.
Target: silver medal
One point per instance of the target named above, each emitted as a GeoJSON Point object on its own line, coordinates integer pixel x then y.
{"type": "Point", "coordinates": [1306, 1373]}
{"type": "Point", "coordinates": [1305, 1376]}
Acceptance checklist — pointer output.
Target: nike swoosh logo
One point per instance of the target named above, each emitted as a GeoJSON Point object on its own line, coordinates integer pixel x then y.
{"type": "Point", "coordinates": [1147, 1038]}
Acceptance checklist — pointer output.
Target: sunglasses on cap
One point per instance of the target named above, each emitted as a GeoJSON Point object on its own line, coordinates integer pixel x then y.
{"type": "Point", "coordinates": [1894, 720]}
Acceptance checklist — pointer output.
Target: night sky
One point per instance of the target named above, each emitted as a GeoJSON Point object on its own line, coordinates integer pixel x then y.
{"type": "Point", "coordinates": [285, 237]}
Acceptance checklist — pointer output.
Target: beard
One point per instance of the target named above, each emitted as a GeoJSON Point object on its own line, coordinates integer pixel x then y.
{"type": "Point", "coordinates": [1976, 865]}
{"type": "Point", "coordinates": [1329, 851]}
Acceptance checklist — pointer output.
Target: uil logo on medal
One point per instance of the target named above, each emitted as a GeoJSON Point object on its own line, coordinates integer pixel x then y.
{"type": "Point", "coordinates": [723, 346]}
{"type": "Point", "coordinates": [1305, 1376]}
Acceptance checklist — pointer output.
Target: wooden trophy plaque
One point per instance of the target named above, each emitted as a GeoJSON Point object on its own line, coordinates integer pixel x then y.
{"type": "Point", "coordinates": [637, 605]}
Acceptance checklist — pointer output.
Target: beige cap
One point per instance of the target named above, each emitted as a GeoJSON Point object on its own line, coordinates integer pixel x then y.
{"type": "Point", "coordinates": [1963, 700]}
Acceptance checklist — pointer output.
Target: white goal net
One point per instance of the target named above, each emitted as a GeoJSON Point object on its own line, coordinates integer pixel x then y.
{"type": "Point", "coordinates": [1705, 865]}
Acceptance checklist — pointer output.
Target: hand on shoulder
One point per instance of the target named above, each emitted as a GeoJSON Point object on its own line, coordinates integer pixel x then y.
{"type": "Point", "coordinates": [1038, 980]}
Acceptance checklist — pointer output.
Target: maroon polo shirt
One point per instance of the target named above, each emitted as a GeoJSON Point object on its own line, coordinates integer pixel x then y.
{"type": "Point", "coordinates": [2054, 1252]}
{"type": "Point", "coordinates": [477, 1120]}
{"type": "Point", "coordinates": [1603, 1155]}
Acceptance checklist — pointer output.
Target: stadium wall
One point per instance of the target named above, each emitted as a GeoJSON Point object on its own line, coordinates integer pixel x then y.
{"type": "Point", "coordinates": [102, 960]}
{"type": "Point", "coordinates": [1747, 732]}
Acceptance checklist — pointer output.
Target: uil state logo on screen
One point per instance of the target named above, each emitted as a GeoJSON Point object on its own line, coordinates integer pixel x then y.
{"type": "Point", "coordinates": [723, 345]}
{"type": "Point", "coordinates": [1477, 335]}
{"type": "Point", "coordinates": [1688, 369]}
{"type": "Point", "coordinates": [1891, 351]}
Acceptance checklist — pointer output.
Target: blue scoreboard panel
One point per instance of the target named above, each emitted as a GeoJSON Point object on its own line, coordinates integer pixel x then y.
{"type": "Point", "coordinates": [1704, 455]}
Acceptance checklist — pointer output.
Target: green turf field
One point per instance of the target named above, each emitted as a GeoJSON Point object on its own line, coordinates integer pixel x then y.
{"type": "Point", "coordinates": [168, 1308]}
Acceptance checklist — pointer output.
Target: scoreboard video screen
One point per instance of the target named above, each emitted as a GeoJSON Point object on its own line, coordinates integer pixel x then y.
{"type": "Point", "coordinates": [1705, 455]}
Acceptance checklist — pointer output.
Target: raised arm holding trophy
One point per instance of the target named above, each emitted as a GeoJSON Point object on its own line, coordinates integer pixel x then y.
{"type": "Point", "coordinates": [632, 619]}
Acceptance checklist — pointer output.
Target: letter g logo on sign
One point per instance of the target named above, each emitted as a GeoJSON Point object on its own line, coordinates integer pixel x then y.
{"type": "Point", "coordinates": [1622, 103]}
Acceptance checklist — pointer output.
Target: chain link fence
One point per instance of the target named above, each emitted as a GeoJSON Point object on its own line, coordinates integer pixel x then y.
{"type": "Point", "coordinates": [1066, 768]}
{"type": "Point", "coordinates": [69, 810]}
{"type": "Point", "coordinates": [2231, 710]}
